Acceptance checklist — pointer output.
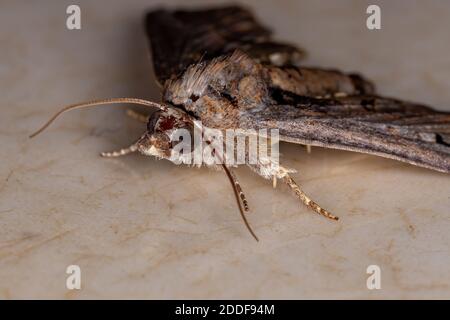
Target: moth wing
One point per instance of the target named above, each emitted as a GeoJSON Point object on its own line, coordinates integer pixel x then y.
{"type": "Point", "coordinates": [180, 38]}
{"type": "Point", "coordinates": [309, 106]}
{"type": "Point", "coordinates": [369, 124]}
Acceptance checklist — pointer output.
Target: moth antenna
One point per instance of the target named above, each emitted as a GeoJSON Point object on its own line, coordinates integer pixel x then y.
{"type": "Point", "coordinates": [97, 103]}
{"type": "Point", "coordinates": [239, 196]}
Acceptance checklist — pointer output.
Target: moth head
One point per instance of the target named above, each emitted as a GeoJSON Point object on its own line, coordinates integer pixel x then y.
{"type": "Point", "coordinates": [162, 124]}
{"type": "Point", "coordinates": [162, 128]}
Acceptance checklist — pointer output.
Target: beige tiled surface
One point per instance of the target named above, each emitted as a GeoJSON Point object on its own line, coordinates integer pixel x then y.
{"type": "Point", "coordinates": [141, 228]}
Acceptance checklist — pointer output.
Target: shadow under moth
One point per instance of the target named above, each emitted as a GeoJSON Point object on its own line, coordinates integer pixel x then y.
{"type": "Point", "coordinates": [220, 66]}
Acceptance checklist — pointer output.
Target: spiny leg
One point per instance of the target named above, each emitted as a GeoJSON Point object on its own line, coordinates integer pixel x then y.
{"type": "Point", "coordinates": [305, 199]}
{"type": "Point", "coordinates": [240, 192]}
{"type": "Point", "coordinates": [137, 116]}
{"type": "Point", "coordinates": [121, 152]}
{"type": "Point", "coordinates": [239, 196]}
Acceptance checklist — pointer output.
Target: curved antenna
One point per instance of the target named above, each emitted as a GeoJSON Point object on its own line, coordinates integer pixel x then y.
{"type": "Point", "coordinates": [236, 193]}
{"type": "Point", "coordinates": [97, 103]}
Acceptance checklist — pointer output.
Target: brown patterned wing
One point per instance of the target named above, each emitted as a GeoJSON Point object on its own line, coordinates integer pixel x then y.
{"type": "Point", "coordinates": [180, 38]}
{"type": "Point", "coordinates": [316, 107]}
{"type": "Point", "coordinates": [310, 106]}
{"type": "Point", "coordinates": [370, 124]}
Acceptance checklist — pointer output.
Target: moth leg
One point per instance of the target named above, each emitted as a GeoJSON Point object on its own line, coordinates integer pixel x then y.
{"type": "Point", "coordinates": [239, 191]}
{"type": "Point", "coordinates": [121, 152]}
{"type": "Point", "coordinates": [137, 116]}
{"type": "Point", "coordinates": [239, 196]}
{"type": "Point", "coordinates": [305, 199]}
{"type": "Point", "coordinates": [308, 148]}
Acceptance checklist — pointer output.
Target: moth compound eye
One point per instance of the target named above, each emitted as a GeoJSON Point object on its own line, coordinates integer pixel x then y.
{"type": "Point", "coordinates": [152, 121]}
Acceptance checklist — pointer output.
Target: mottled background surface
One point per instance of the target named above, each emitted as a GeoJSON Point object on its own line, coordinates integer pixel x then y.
{"type": "Point", "coordinates": [142, 228]}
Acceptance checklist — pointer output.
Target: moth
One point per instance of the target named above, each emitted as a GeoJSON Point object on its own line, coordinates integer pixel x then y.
{"type": "Point", "coordinates": [221, 66]}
